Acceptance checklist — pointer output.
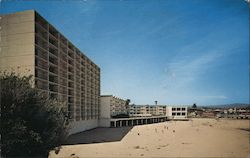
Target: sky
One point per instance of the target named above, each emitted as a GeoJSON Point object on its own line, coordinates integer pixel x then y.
{"type": "Point", "coordinates": [176, 52]}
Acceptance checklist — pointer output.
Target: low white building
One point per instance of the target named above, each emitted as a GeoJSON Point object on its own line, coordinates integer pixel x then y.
{"type": "Point", "coordinates": [176, 112]}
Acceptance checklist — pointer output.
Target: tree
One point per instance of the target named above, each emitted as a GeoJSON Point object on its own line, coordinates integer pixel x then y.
{"type": "Point", "coordinates": [194, 106]}
{"type": "Point", "coordinates": [127, 105]}
{"type": "Point", "coordinates": [127, 102]}
{"type": "Point", "coordinates": [31, 124]}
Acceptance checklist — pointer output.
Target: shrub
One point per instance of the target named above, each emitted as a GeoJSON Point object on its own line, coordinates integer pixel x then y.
{"type": "Point", "coordinates": [31, 124]}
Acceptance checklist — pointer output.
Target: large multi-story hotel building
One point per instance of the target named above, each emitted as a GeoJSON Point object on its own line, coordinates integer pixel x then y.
{"type": "Point", "coordinates": [32, 46]}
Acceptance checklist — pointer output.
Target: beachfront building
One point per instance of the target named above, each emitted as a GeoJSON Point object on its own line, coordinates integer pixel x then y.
{"type": "Point", "coordinates": [147, 110]}
{"type": "Point", "coordinates": [30, 45]}
{"type": "Point", "coordinates": [114, 113]}
{"type": "Point", "coordinates": [176, 112]}
{"type": "Point", "coordinates": [147, 114]}
{"type": "Point", "coordinates": [157, 110]}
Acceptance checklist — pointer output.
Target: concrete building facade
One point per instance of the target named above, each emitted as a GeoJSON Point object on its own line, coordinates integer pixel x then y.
{"type": "Point", "coordinates": [147, 110]}
{"type": "Point", "coordinates": [157, 110]}
{"type": "Point", "coordinates": [176, 112]}
{"type": "Point", "coordinates": [111, 106]}
{"type": "Point", "coordinates": [32, 46]}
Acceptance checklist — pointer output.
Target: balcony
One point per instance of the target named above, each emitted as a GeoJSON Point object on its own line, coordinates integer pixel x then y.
{"type": "Point", "coordinates": [53, 88]}
{"type": "Point", "coordinates": [53, 32]}
{"type": "Point", "coordinates": [41, 53]}
{"type": "Point", "coordinates": [71, 92]}
{"type": "Point", "coordinates": [53, 60]}
{"type": "Point", "coordinates": [41, 63]}
{"type": "Point", "coordinates": [70, 84]}
{"type": "Point", "coordinates": [41, 32]}
{"type": "Point", "coordinates": [63, 73]}
{"type": "Point", "coordinates": [53, 69]}
{"type": "Point", "coordinates": [53, 78]}
{"type": "Point", "coordinates": [39, 20]}
{"type": "Point", "coordinates": [63, 90]}
{"type": "Point", "coordinates": [63, 56]}
{"type": "Point", "coordinates": [71, 77]}
{"type": "Point", "coordinates": [53, 41]}
{"type": "Point", "coordinates": [71, 62]}
{"type": "Point", "coordinates": [63, 81]}
{"type": "Point", "coordinates": [70, 99]}
{"type": "Point", "coordinates": [41, 84]}
{"type": "Point", "coordinates": [41, 74]}
{"type": "Point", "coordinates": [53, 51]}
{"type": "Point", "coordinates": [71, 69]}
{"type": "Point", "coordinates": [71, 54]}
{"type": "Point", "coordinates": [63, 40]}
{"type": "Point", "coordinates": [41, 43]}
{"type": "Point", "coordinates": [71, 47]}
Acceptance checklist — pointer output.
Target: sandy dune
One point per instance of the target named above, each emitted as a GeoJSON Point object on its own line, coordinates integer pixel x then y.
{"type": "Point", "coordinates": [195, 138]}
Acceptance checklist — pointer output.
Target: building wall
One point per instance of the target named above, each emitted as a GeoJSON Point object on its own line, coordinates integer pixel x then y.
{"type": "Point", "coordinates": [17, 43]}
{"type": "Point", "coordinates": [146, 110]}
{"type": "Point", "coordinates": [79, 126]}
{"type": "Point", "coordinates": [158, 110]}
{"type": "Point", "coordinates": [117, 106]}
{"type": "Point", "coordinates": [60, 69]}
{"type": "Point", "coordinates": [179, 112]}
{"type": "Point", "coordinates": [110, 106]}
{"type": "Point", "coordinates": [105, 108]}
{"type": "Point", "coordinates": [169, 111]}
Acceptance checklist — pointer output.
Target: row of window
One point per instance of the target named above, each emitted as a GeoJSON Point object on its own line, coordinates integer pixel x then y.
{"type": "Point", "coordinates": [178, 114]}
{"type": "Point", "coordinates": [178, 109]}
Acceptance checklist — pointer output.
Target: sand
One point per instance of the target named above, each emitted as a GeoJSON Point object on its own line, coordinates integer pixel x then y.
{"type": "Point", "coordinates": [194, 138]}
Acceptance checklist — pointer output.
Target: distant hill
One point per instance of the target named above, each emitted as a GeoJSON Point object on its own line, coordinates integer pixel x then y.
{"type": "Point", "coordinates": [237, 105]}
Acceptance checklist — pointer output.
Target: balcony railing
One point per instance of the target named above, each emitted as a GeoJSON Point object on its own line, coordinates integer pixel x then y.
{"type": "Point", "coordinates": [41, 64]}
{"type": "Point", "coordinates": [41, 43]}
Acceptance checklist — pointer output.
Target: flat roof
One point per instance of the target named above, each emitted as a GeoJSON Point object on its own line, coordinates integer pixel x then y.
{"type": "Point", "coordinates": [137, 118]}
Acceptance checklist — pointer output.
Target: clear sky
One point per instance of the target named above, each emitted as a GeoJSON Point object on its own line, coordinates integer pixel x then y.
{"type": "Point", "coordinates": [172, 51]}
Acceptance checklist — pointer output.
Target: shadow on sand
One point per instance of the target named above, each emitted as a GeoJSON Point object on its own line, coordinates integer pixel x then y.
{"type": "Point", "coordinates": [98, 135]}
{"type": "Point", "coordinates": [245, 129]}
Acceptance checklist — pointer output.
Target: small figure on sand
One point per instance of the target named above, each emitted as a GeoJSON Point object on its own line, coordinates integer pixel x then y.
{"type": "Point", "coordinates": [138, 134]}
{"type": "Point", "coordinates": [156, 130]}
{"type": "Point", "coordinates": [174, 131]}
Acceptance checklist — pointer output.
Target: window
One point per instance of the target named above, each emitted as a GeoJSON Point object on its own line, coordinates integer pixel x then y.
{"type": "Point", "coordinates": [183, 114]}
{"type": "Point", "coordinates": [178, 114]}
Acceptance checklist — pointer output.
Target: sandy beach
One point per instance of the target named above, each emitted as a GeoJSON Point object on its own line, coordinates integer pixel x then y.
{"type": "Point", "coordinates": [193, 138]}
